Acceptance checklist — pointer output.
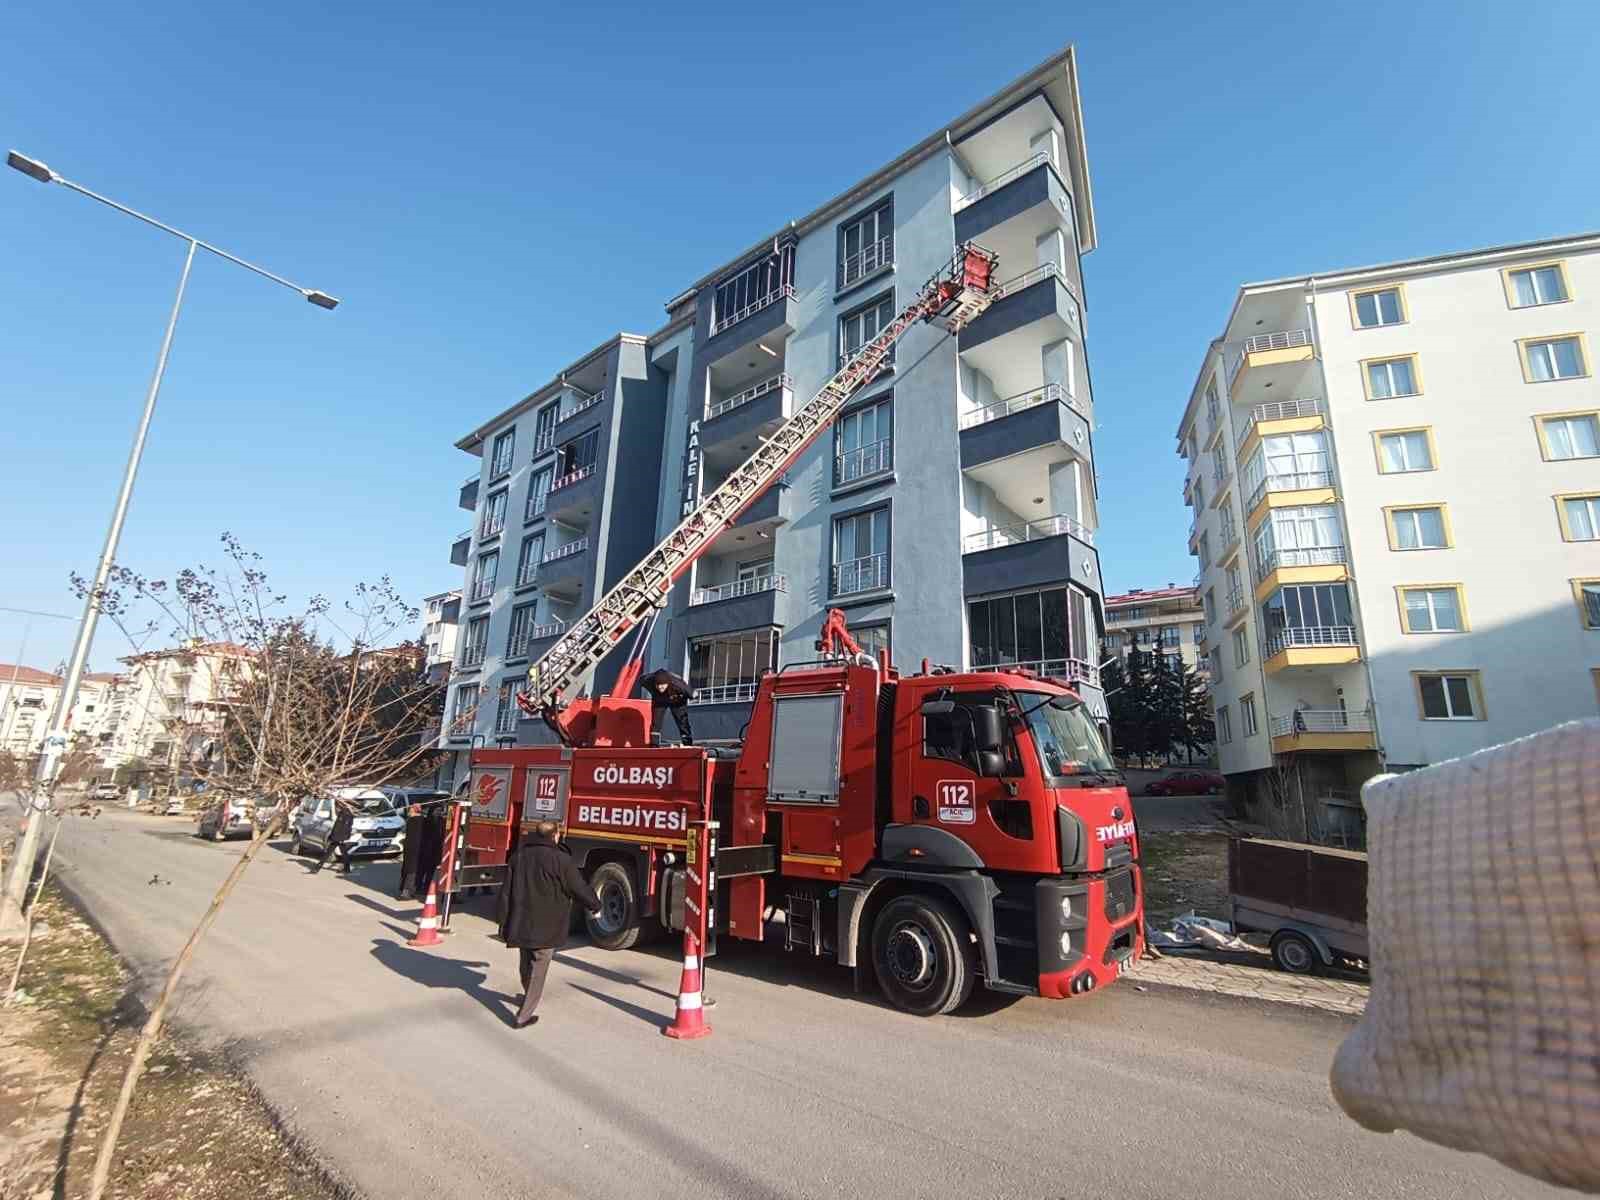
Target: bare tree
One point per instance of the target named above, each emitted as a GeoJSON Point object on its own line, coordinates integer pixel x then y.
{"type": "Point", "coordinates": [319, 697]}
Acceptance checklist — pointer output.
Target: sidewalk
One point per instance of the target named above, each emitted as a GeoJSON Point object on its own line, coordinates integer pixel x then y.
{"type": "Point", "coordinates": [1251, 975]}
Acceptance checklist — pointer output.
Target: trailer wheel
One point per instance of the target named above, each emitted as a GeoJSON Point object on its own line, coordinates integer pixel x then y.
{"type": "Point", "coordinates": [618, 926]}
{"type": "Point", "coordinates": [922, 953]}
{"type": "Point", "coordinates": [1294, 953]}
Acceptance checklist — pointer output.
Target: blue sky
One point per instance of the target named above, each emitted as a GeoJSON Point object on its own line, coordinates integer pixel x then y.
{"type": "Point", "coordinates": [492, 191]}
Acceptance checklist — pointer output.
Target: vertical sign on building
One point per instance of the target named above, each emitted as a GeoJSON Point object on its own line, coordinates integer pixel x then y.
{"type": "Point", "coordinates": [691, 471]}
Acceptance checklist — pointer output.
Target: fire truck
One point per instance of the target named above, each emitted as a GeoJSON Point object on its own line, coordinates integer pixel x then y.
{"type": "Point", "coordinates": [934, 830]}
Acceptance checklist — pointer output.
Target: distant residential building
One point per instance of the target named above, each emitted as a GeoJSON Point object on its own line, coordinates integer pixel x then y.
{"type": "Point", "coordinates": [1395, 478]}
{"type": "Point", "coordinates": [1168, 621]}
{"type": "Point", "coordinates": [28, 699]}
{"type": "Point", "coordinates": [170, 706]}
{"type": "Point", "coordinates": [441, 615]}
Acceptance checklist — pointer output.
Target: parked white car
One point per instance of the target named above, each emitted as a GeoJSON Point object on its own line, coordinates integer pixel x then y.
{"type": "Point", "coordinates": [378, 828]}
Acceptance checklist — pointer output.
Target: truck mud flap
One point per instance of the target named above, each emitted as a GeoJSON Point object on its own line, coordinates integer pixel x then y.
{"type": "Point", "coordinates": [974, 892]}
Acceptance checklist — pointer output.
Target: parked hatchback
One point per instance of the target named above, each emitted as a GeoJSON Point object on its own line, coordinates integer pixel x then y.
{"type": "Point", "coordinates": [378, 828]}
{"type": "Point", "coordinates": [226, 819]}
{"type": "Point", "coordinates": [1185, 783]}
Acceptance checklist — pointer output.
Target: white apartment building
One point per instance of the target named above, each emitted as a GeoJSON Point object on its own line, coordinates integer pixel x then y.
{"type": "Point", "coordinates": [169, 706]}
{"type": "Point", "coordinates": [1168, 620]}
{"type": "Point", "coordinates": [28, 699]}
{"type": "Point", "coordinates": [1395, 476]}
{"type": "Point", "coordinates": [441, 615]}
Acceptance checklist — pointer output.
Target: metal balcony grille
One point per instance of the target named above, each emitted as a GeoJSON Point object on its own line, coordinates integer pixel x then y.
{"type": "Point", "coordinates": [1020, 402]}
{"type": "Point", "coordinates": [1284, 339]}
{"type": "Point", "coordinates": [727, 693]}
{"type": "Point", "coordinates": [742, 587]}
{"type": "Point", "coordinates": [1309, 556]}
{"type": "Point", "coordinates": [1000, 180]}
{"type": "Point", "coordinates": [776, 383]}
{"type": "Point", "coordinates": [867, 260]}
{"type": "Point", "coordinates": [783, 292]}
{"type": "Point", "coordinates": [1027, 531]}
{"type": "Point", "coordinates": [567, 551]}
{"type": "Point", "coordinates": [1311, 635]}
{"type": "Point", "coordinates": [1289, 483]}
{"type": "Point", "coordinates": [860, 574]}
{"type": "Point", "coordinates": [1321, 720]}
{"type": "Point", "coordinates": [863, 461]}
{"type": "Point", "coordinates": [572, 477]}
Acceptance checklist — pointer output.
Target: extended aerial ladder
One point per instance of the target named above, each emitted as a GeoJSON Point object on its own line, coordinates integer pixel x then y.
{"type": "Point", "coordinates": [955, 296]}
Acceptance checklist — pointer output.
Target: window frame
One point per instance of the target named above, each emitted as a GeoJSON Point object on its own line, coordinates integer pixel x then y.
{"type": "Point", "coordinates": [1248, 721]}
{"type": "Point", "coordinates": [1389, 512]}
{"type": "Point", "coordinates": [1576, 335]}
{"type": "Point", "coordinates": [544, 434]}
{"type": "Point", "coordinates": [886, 507]}
{"type": "Point", "coordinates": [1241, 645]}
{"type": "Point", "coordinates": [465, 661]}
{"type": "Point", "coordinates": [1416, 375]}
{"type": "Point", "coordinates": [874, 212]}
{"type": "Point", "coordinates": [514, 653]}
{"type": "Point", "coordinates": [1427, 432]}
{"type": "Point", "coordinates": [497, 469]}
{"type": "Point", "coordinates": [1560, 266]}
{"type": "Point", "coordinates": [1544, 442]}
{"type": "Point", "coordinates": [1223, 716]}
{"type": "Point", "coordinates": [548, 472]}
{"type": "Point", "coordinates": [859, 311]}
{"type": "Point", "coordinates": [876, 403]}
{"type": "Point", "coordinates": [506, 701]}
{"type": "Point", "coordinates": [1400, 591]}
{"type": "Point", "coordinates": [482, 574]}
{"type": "Point", "coordinates": [1561, 499]}
{"type": "Point", "coordinates": [1400, 294]}
{"type": "Point", "coordinates": [1578, 584]}
{"type": "Point", "coordinates": [484, 532]}
{"type": "Point", "coordinates": [1474, 680]}
{"type": "Point", "coordinates": [528, 564]}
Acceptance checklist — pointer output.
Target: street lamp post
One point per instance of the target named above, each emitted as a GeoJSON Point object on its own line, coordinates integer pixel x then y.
{"type": "Point", "coordinates": [55, 743]}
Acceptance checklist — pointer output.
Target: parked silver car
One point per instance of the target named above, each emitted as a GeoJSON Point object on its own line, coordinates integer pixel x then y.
{"type": "Point", "coordinates": [378, 828]}
{"type": "Point", "coordinates": [228, 818]}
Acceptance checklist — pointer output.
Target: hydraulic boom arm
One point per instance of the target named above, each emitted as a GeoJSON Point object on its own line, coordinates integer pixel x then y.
{"type": "Point", "coordinates": [958, 295]}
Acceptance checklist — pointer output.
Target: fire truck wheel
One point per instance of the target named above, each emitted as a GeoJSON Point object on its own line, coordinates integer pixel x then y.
{"type": "Point", "coordinates": [922, 953]}
{"type": "Point", "coordinates": [617, 927]}
{"type": "Point", "coordinates": [1294, 953]}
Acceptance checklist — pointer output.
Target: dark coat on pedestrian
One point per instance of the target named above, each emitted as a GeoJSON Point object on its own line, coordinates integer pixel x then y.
{"type": "Point", "coordinates": [344, 820]}
{"type": "Point", "coordinates": [536, 902]}
{"type": "Point", "coordinates": [677, 693]}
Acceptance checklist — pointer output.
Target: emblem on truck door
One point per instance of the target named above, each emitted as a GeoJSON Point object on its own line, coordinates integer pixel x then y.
{"type": "Point", "coordinates": [956, 802]}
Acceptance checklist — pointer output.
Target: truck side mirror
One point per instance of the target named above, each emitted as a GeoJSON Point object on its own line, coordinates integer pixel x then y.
{"type": "Point", "coordinates": [987, 731]}
{"type": "Point", "coordinates": [938, 708]}
{"type": "Point", "coordinates": [991, 764]}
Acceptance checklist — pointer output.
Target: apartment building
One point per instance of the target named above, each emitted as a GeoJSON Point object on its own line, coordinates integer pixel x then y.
{"type": "Point", "coordinates": [28, 699]}
{"type": "Point", "coordinates": [1168, 621]}
{"type": "Point", "coordinates": [441, 617]}
{"type": "Point", "coordinates": [169, 706]}
{"type": "Point", "coordinates": [1396, 494]}
{"type": "Point", "coordinates": [951, 510]}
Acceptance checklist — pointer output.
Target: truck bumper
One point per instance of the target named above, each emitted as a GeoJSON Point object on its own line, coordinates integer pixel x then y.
{"type": "Point", "coordinates": [1090, 930]}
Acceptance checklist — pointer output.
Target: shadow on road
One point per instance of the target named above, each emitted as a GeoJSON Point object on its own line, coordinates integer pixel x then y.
{"type": "Point", "coordinates": [659, 1020]}
{"type": "Point", "coordinates": [446, 973]}
{"type": "Point", "coordinates": [397, 914]}
{"type": "Point", "coordinates": [578, 964]}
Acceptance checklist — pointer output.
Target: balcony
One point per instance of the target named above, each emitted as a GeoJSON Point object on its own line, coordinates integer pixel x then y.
{"type": "Point", "coordinates": [1194, 530]}
{"type": "Point", "coordinates": [1029, 311]}
{"type": "Point", "coordinates": [1312, 564]}
{"type": "Point", "coordinates": [1322, 729]}
{"type": "Point", "coordinates": [1042, 423]}
{"type": "Point", "coordinates": [461, 548]}
{"type": "Point", "coordinates": [854, 576]}
{"type": "Point", "coordinates": [1015, 208]}
{"type": "Point", "coordinates": [1074, 672]}
{"type": "Point", "coordinates": [739, 399]}
{"type": "Point", "coordinates": [741, 410]}
{"type": "Point", "coordinates": [564, 569]}
{"type": "Point", "coordinates": [535, 640]}
{"type": "Point", "coordinates": [575, 496]}
{"type": "Point", "coordinates": [728, 693]}
{"type": "Point", "coordinates": [1278, 417]}
{"type": "Point", "coordinates": [863, 463]}
{"type": "Point", "coordinates": [730, 607]}
{"type": "Point", "coordinates": [772, 317]}
{"type": "Point", "coordinates": [469, 494]}
{"type": "Point", "coordinates": [1289, 491]}
{"type": "Point", "coordinates": [1270, 353]}
{"type": "Point", "coordinates": [1236, 603]}
{"type": "Point", "coordinates": [1029, 554]}
{"type": "Point", "coordinates": [1311, 646]}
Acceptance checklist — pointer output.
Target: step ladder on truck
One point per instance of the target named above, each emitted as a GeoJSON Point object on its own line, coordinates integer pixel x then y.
{"type": "Point", "coordinates": [934, 830]}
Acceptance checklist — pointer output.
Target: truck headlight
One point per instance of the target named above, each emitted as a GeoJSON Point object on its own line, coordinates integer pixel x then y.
{"type": "Point", "coordinates": [1066, 908]}
{"type": "Point", "coordinates": [1066, 945]}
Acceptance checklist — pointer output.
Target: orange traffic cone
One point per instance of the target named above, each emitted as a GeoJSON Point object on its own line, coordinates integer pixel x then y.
{"type": "Point", "coordinates": [690, 1019]}
{"type": "Point", "coordinates": [428, 923]}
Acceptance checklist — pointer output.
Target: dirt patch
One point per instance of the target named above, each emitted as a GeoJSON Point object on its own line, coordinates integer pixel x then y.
{"type": "Point", "coordinates": [1184, 872]}
{"type": "Point", "coordinates": [196, 1131]}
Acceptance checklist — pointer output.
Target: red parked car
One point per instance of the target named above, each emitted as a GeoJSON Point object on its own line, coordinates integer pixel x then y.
{"type": "Point", "coordinates": [1185, 783]}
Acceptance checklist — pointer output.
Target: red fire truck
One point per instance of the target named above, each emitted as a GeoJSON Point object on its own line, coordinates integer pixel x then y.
{"type": "Point", "coordinates": [940, 828]}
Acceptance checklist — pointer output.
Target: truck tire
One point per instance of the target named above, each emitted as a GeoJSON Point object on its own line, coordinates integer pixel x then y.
{"type": "Point", "coordinates": [922, 954]}
{"type": "Point", "coordinates": [618, 927]}
{"type": "Point", "coordinates": [1294, 953]}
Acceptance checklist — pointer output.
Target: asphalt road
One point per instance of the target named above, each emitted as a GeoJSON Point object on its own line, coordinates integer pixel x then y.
{"type": "Point", "coordinates": [401, 1067]}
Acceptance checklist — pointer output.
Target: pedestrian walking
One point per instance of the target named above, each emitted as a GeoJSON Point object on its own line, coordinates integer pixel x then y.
{"type": "Point", "coordinates": [668, 693]}
{"type": "Point", "coordinates": [423, 848]}
{"type": "Point", "coordinates": [344, 820]}
{"type": "Point", "coordinates": [536, 909]}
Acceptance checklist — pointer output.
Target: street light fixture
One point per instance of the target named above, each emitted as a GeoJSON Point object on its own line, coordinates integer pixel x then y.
{"type": "Point", "coordinates": [55, 743]}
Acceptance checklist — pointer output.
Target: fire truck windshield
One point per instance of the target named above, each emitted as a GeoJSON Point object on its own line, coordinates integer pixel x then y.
{"type": "Point", "coordinates": [1065, 738]}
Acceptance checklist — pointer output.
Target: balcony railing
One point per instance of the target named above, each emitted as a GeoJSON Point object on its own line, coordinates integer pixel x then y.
{"type": "Point", "coordinates": [1284, 339]}
{"type": "Point", "coordinates": [472, 654]}
{"type": "Point", "coordinates": [572, 477]}
{"type": "Point", "coordinates": [727, 693]}
{"type": "Point", "coordinates": [867, 260]}
{"type": "Point", "coordinates": [741, 587]}
{"type": "Point", "coordinates": [863, 461]}
{"type": "Point", "coordinates": [1028, 278]}
{"type": "Point", "coordinates": [549, 629]}
{"type": "Point", "coordinates": [1236, 601]}
{"type": "Point", "coordinates": [860, 574]}
{"type": "Point", "coordinates": [576, 546]}
{"type": "Point", "coordinates": [482, 589]}
{"type": "Point", "coordinates": [543, 439]}
{"type": "Point", "coordinates": [845, 356]}
{"type": "Point", "coordinates": [1321, 720]}
{"type": "Point", "coordinates": [1073, 670]}
{"type": "Point", "coordinates": [1021, 401]}
{"type": "Point", "coordinates": [1027, 531]}
{"type": "Point", "coordinates": [1309, 556]}
{"type": "Point", "coordinates": [1310, 635]}
{"type": "Point", "coordinates": [584, 403]}
{"type": "Point", "coordinates": [1000, 180]}
{"type": "Point", "coordinates": [1279, 410]}
{"type": "Point", "coordinates": [1289, 483]}
{"type": "Point", "coordinates": [776, 383]}
{"type": "Point", "coordinates": [785, 292]}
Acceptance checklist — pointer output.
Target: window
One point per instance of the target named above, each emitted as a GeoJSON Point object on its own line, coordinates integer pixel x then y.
{"type": "Point", "coordinates": [1247, 714]}
{"type": "Point", "coordinates": [1564, 436]}
{"type": "Point", "coordinates": [538, 492]}
{"type": "Point", "coordinates": [1209, 603]}
{"type": "Point", "coordinates": [475, 643]}
{"type": "Point", "coordinates": [1418, 528]}
{"type": "Point", "coordinates": [483, 576]}
{"type": "Point", "coordinates": [1580, 517]}
{"type": "Point", "coordinates": [861, 552]}
{"type": "Point", "coordinates": [752, 288]}
{"type": "Point", "coordinates": [1527, 287]}
{"type": "Point", "coordinates": [858, 328]}
{"type": "Point", "coordinates": [1306, 606]}
{"type": "Point", "coordinates": [871, 639]}
{"type": "Point", "coordinates": [521, 624]}
{"type": "Point", "coordinates": [1199, 632]}
{"type": "Point", "coordinates": [725, 669]}
{"type": "Point", "coordinates": [1438, 608]}
{"type": "Point", "coordinates": [505, 447]}
{"type": "Point", "coordinates": [863, 442]}
{"type": "Point", "coordinates": [580, 454]}
{"type": "Point", "coordinates": [1387, 378]}
{"type": "Point", "coordinates": [494, 515]}
{"type": "Point", "coordinates": [1546, 359]}
{"type": "Point", "coordinates": [505, 713]}
{"type": "Point", "coordinates": [464, 709]}
{"type": "Point", "coordinates": [1171, 635]}
{"type": "Point", "coordinates": [1402, 450]}
{"type": "Point", "coordinates": [1587, 594]}
{"type": "Point", "coordinates": [866, 244]}
{"type": "Point", "coordinates": [1216, 662]}
{"type": "Point", "coordinates": [1449, 695]}
{"type": "Point", "coordinates": [1224, 724]}
{"type": "Point", "coordinates": [528, 559]}
{"type": "Point", "coordinates": [748, 572]}
{"type": "Point", "coordinates": [1305, 536]}
{"type": "Point", "coordinates": [1381, 306]}
{"type": "Point", "coordinates": [1042, 628]}
{"type": "Point", "coordinates": [1203, 546]}
{"type": "Point", "coordinates": [1241, 645]}
{"type": "Point", "coordinates": [544, 427]}
{"type": "Point", "coordinates": [949, 736]}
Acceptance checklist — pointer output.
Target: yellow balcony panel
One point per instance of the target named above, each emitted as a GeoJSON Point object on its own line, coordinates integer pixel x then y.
{"type": "Point", "coordinates": [1283, 416]}
{"type": "Point", "coordinates": [1270, 350]}
{"type": "Point", "coordinates": [1291, 742]}
{"type": "Point", "coordinates": [1281, 493]}
{"type": "Point", "coordinates": [1269, 358]}
{"type": "Point", "coordinates": [1322, 729]}
{"type": "Point", "coordinates": [1312, 646]}
{"type": "Point", "coordinates": [1325, 564]}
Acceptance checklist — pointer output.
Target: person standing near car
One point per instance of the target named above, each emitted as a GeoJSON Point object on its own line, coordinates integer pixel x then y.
{"type": "Point", "coordinates": [536, 909]}
{"type": "Point", "coordinates": [344, 820]}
